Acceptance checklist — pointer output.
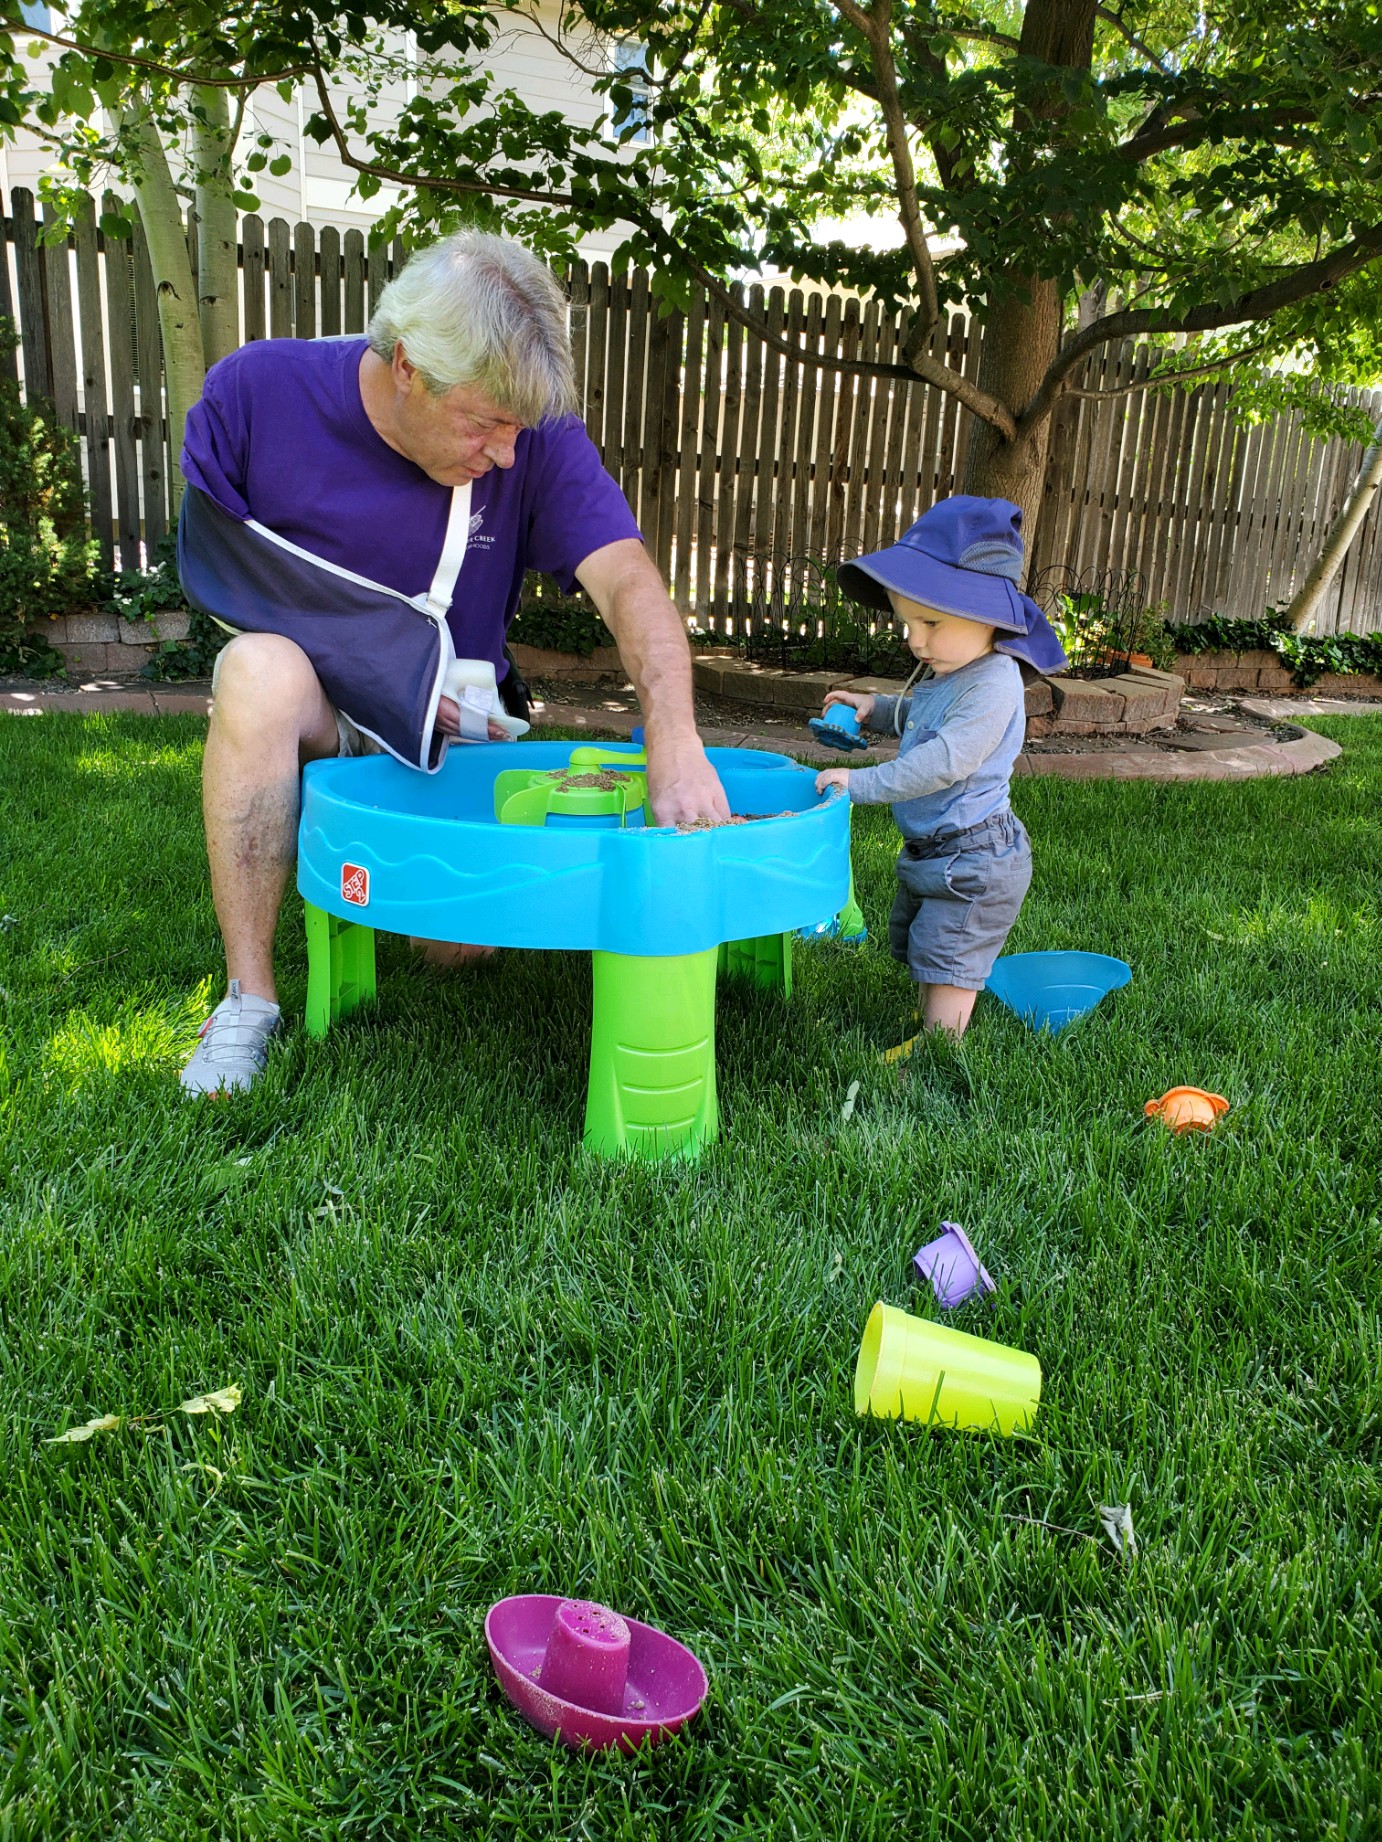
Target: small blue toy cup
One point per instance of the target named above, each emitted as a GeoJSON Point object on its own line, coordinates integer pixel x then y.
{"type": "Point", "coordinates": [839, 728]}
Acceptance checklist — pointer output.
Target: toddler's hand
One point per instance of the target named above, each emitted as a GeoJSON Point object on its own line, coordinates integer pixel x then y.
{"type": "Point", "coordinates": [862, 701]}
{"type": "Point", "coordinates": [832, 777]}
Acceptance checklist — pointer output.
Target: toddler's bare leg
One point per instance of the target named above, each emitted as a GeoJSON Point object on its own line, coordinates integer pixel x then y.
{"type": "Point", "coordinates": [948, 1008]}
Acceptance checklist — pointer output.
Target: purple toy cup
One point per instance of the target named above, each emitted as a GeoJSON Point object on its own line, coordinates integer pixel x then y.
{"type": "Point", "coordinates": [952, 1267]}
{"type": "Point", "coordinates": [587, 1656]}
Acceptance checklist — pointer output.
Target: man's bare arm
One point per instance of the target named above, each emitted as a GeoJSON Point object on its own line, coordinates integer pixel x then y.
{"type": "Point", "coordinates": [622, 580]}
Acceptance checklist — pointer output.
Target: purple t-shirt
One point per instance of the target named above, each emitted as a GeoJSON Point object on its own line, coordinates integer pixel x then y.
{"type": "Point", "coordinates": [281, 435]}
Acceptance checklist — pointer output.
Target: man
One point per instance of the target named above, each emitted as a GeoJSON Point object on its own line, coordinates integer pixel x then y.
{"type": "Point", "coordinates": [362, 511]}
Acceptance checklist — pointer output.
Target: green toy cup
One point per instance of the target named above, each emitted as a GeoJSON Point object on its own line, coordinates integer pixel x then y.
{"type": "Point", "coordinates": [913, 1370]}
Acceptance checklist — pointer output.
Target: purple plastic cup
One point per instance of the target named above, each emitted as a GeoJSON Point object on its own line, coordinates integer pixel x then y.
{"type": "Point", "coordinates": [587, 1656]}
{"type": "Point", "coordinates": [952, 1267]}
{"type": "Point", "coordinates": [662, 1685]}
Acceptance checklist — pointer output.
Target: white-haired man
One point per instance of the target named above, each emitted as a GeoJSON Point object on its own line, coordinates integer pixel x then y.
{"type": "Point", "coordinates": [363, 510]}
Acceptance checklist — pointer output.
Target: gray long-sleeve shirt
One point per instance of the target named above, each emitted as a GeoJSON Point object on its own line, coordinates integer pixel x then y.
{"type": "Point", "coordinates": [961, 734]}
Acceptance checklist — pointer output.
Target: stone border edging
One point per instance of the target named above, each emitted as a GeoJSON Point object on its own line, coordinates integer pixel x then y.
{"type": "Point", "coordinates": [1301, 755]}
{"type": "Point", "coordinates": [1304, 752]}
{"type": "Point", "coordinates": [1247, 761]}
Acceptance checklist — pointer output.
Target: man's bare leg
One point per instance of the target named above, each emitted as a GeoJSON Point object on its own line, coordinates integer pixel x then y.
{"type": "Point", "coordinates": [270, 716]}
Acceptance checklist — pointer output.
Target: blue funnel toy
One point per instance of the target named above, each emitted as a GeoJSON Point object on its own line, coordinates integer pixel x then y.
{"type": "Point", "coordinates": [1049, 990]}
{"type": "Point", "coordinates": [839, 728]}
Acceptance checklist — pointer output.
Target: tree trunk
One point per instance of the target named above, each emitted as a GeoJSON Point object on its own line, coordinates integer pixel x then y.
{"type": "Point", "coordinates": [184, 363]}
{"type": "Point", "coordinates": [1021, 339]}
{"type": "Point", "coordinates": [216, 226]}
{"type": "Point", "coordinates": [1305, 608]}
{"type": "Point", "coordinates": [1022, 334]}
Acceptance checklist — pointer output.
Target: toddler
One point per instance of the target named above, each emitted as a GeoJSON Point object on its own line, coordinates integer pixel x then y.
{"type": "Point", "coordinates": [966, 862]}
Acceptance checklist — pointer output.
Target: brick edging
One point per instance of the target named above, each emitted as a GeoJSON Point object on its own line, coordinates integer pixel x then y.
{"type": "Point", "coordinates": [1134, 702]}
{"type": "Point", "coordinates": [1262, 670]}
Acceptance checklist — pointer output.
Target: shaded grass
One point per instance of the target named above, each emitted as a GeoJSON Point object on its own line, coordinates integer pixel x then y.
{"type": "Point", "coordinates": [476, 1361]}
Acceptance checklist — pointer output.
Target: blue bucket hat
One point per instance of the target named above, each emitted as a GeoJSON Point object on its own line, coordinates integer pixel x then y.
{"type": "Point", "coordinates": [963, 557]}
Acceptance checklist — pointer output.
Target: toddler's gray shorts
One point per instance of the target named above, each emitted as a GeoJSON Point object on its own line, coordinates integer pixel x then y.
{"type": "Point", "coordinates": [957, 898]}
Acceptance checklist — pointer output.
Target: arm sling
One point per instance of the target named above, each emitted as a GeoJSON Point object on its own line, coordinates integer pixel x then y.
{"type": "Point", "coordinates": [381, 656]}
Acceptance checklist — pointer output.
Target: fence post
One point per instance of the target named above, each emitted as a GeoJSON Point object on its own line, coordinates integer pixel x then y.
{"type": "Point", "coordinates": [304, 282]}
{"type": "Point", "coordinates": [94, 379]}
{"type": "Point", "coordinates": [153, 442]}
{"type": "Point", "coordinates": [9, 363]}
{"type": "Point", "coordinates": [280, 281]}
{"type": "Point", "coordinates": [119, 264]}
{"type": "Point", "coordinates": [33, 331]}
{"type": "Point", "coordinates": [252, 266]}
{"type": "Point", "coordinates": [354, 282]}
{"type": "Point", "coordinates": [329, 258]}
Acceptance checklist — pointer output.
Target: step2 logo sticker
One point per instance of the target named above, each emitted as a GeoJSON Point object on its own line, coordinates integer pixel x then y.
{"type": "Point", "coordinates": [355, 884]}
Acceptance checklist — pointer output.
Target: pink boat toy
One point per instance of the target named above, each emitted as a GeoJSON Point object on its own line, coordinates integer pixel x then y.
{"type": "Point", "coordinates": [589, 1677]}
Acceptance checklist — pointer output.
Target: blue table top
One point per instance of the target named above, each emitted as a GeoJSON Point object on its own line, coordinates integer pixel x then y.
{"type": "Point", "coordinates": [411, 853]}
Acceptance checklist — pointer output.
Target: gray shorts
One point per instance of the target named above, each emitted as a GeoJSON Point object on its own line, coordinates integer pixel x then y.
{"type": "Point", "coordinates": [349, 741]}
{"type": "Point", "coordinates": [957, 898]}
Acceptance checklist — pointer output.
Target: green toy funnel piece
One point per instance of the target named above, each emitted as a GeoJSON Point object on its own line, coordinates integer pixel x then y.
{"type": "Point", "coordinates": [595, 791]}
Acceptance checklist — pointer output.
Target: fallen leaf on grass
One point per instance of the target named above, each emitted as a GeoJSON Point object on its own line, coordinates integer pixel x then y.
{"type": "Point", "coordinates": [1117, 1521]}
{"type": "Point", "coordinates": [78, 1435]}
{"type": "Point", "coordinates": [218, 1476]}
{"type": "Point", "coordinates": [847, 1110]}
{"type": "Point", "coordinates": [224, 1400]}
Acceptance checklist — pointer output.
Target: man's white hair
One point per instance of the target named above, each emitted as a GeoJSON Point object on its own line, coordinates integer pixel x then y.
{"type": "Point", "coordinates": [482, 310]}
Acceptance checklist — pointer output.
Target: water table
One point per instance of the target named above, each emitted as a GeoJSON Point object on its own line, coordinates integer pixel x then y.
{"type": "Point", "coordinates": [548, 845]}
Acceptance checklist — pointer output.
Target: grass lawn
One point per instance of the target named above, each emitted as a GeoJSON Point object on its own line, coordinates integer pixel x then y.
{"type": "Point", "coordinates": [475, 1362]}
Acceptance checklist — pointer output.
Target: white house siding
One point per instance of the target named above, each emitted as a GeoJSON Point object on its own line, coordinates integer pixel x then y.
{"type": "Point", "coordinates": [317, 188]}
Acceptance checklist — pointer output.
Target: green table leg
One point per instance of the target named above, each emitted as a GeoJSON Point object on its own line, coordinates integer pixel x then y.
{"type": "Point", "coordinates": [766, 961]}
{"type": "Point", "coordinates": [851, 917]}
{"type": "Point", "coordinates": [340, 968]}
{"type": "Point", "coordinates": [652, 1056]}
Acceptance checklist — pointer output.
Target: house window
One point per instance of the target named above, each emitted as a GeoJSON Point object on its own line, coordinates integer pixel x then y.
{"type": "Point", "coordinates": [37, 15]}
{"type": "Point", "coordinates": [630, 61]}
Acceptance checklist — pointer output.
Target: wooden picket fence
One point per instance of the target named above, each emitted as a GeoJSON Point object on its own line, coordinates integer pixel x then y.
{"type": "Point", "coordinates": [739, 464]}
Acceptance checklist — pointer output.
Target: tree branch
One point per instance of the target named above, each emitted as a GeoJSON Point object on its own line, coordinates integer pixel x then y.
{"type": "Point", "coordinates": [1257, 304]}
{"type": "Point", "coordinates": [1167, 378]}
{"type": "Point", "coordinates": [985, 36]}
{"type": "Point", "coordinates": [876, 26]}
{"type": "Point", "coordinates": [947, 160]}
{"type": "Point", "coordinates": [1138, 45]}
{"type": "Point", "coordinates": [920, 365]}
{"type": "Point", "coordinates": [128, 59]}
{"type": "Point", "coordinates": [1232, 125]}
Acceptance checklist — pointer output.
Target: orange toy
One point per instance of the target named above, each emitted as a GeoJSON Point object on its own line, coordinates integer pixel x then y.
{"type": "Point", "coordinates": [1187, 1109]}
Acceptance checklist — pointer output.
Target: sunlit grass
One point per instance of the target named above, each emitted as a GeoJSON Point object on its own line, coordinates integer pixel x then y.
{"type": "Point", "coordinates": [476, 1361]}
